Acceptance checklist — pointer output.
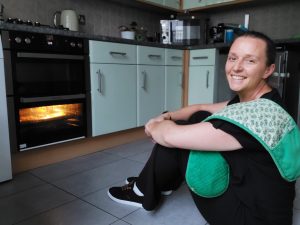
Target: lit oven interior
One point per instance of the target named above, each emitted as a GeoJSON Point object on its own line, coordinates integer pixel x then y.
{"type": "Point", "coordinates": [68, 112]}
{"type": "Point", "coordinates": [43, 125]}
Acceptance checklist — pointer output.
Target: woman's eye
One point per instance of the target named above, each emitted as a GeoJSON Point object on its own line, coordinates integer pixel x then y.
{"type": "Point", "coordinates": [231, 59]}
{"type": "Point", "coordinates": [250, 61]}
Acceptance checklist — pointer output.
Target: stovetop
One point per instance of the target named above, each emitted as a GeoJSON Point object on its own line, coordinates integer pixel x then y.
{"type": "Point", "coordinates": [32, 23]}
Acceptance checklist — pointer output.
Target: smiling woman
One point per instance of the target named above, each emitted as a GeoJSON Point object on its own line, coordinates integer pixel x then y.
{"type": "Point", "coordinates": [239, 157]}
{"type": "Point", "coordinates": [247, 68]}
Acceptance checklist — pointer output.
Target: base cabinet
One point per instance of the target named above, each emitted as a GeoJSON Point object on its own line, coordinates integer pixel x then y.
{"type": "Point", "coordinates": [151, 92]}
{"type": "Point", "coordinates": [113, 98]}
{"type": "Point", "coordinates": [201, 88]}
{"type": "Point", "coordinates": [201, 85]}
{"type": "Point", "coordinates": [174, 84]}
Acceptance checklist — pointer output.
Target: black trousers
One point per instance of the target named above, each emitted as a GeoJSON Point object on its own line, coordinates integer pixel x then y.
{"type": "Point", "coordinates": [165, 170]}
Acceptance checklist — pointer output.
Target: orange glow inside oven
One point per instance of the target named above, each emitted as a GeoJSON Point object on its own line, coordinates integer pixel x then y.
{"type": "Point", "coordinates": [52, 112]}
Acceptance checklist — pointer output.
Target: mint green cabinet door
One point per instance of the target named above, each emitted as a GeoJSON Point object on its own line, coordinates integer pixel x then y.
{"type": "Point", "coordinates": [114, 97]}
{"type": "Point", "coordinates": [173, 88]}
{"type": "Point", "coordinates": [175, 4]}
{"type": "Point", "coordinates": [201, 84]}
{"type": "Point", "coordinates": [189, 4]}
{"type": "Point", "coordinates": [151, 92]}
{"type": "Point", "coordinates": [160, 2]}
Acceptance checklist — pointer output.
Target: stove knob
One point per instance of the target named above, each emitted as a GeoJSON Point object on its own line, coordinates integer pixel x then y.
{"type": "Point", "coordinates": [18, 40]}
{"type": "Point", "coordinates": [79, 45]}
{"type": "Point", "coordinates": [27, 40]}
{"type": "Point", "coordinates": [72, 44]}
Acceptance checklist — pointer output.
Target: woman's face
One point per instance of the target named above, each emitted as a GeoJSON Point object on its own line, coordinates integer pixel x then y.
{"type": "Point", "coordinates": [246, 68]}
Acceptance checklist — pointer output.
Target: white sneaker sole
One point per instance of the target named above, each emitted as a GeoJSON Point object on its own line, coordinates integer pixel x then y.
{"type": "Point", "coordinates": [165, 193]}
{"type": "Point", "coordinates": [136, 204]}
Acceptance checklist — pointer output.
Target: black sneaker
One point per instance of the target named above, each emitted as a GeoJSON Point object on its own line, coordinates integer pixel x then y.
{"type": "Point", "coordinates": [133, 179]}
{"type": "Point", "coordinates": [130, 179]}
{"type": "Point", "coordinates": [125, 195]}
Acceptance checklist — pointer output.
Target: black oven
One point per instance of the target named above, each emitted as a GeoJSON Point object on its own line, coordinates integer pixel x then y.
{"type": "Point", "coordinates": [47, 88]}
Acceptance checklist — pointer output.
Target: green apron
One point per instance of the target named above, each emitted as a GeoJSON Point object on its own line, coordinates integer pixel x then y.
{"type": "Point", "coordinates": [208, 172]}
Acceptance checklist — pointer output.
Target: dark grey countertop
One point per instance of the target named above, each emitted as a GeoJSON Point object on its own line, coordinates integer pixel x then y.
{"type": "Point", "coordinates": [47, 30]}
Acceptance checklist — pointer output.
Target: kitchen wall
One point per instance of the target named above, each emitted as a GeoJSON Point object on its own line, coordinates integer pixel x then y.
{"type": "Point", "coordinates": [103, 17]}
{"type": "Point", "coordinates": [277, 18]}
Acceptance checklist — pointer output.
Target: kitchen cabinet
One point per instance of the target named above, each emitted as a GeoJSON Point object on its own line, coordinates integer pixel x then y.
{"type": "Point", "coordinates": [204, 4]}
{"type": "Point", "coordinates": [113, 87]}
{"type": "Point", "coordinates": [189, 4]}
{"type": "Point", "coordinates": [173, 79]}
{"type": "Point", "coordinates": [151, 83]}
{"type": "Point", "coordinates": [5, 152]}
{"type": "Point", "coordinates": [201, 88]}
{"type": "Point", "coordinates": [175, 4]}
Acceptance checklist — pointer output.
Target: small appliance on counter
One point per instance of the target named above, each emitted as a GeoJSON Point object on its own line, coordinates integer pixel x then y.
{"type": "Point", "coordinates": [66, 18]}
{"type": "Point", "coordinates": [218, 33]}
{"type": "Point", "coordinates": [187, 31]}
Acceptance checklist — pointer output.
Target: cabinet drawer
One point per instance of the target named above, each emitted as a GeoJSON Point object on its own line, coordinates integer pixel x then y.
{"type": "Point", "coordinates": [107, 52]}
{"type": "Point", "coordinates": [150, 55]}
{"type": "Point", "coordinates": [202, 57]}
{"type": "Point", "coordinates": [174, 57]}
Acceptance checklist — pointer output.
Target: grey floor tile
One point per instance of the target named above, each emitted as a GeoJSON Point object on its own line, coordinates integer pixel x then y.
{"type": "Point", "coordinates": [296, 217]}
{"type": "Point", "coordinates": [120, 222]}
{"type": "Point", "coordinates": [30, 202]}
{"type": "Point", "coordinates": [19, 183]}
{"type": "Point", "coordinates": [73, 166]}
{"type": "Point", "coordinates": [132, 148]}
{"type": "Point", "coordinates": [141, 157]}
{"type": "Point", "coordinates": [176, 209]}
{"type": "Point", "coordinates": [96, 179]}
{"type": "Point", "coordinates": [102, 201]}
{"type": "Point", "coordinates": [73, 213]}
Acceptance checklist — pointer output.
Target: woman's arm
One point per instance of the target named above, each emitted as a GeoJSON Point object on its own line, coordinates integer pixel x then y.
{"type": "Point", "coordinates": [186, 112]}
{"type": "Point", "coordinates": [200, 136]}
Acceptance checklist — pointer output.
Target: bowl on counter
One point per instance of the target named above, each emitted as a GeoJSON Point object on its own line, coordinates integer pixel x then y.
{"type": "Point", "coordinates": [128, 35]}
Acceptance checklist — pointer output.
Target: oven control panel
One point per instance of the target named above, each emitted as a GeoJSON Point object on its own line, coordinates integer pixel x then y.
{"type": "Point", "coordinates": [40, 42]}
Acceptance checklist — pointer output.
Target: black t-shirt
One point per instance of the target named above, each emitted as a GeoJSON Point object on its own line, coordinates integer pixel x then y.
{"type": "Point", "coordinates": [254, 177]}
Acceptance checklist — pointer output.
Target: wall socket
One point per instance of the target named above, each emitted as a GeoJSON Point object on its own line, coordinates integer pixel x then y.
{"type": "Point", "coordinates": [81, 19]}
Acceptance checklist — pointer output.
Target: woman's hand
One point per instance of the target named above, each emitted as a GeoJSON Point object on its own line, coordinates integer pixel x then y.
{"type": "Point", "coordinates": [156, 129]}
{"type": "Point", "coordinates": [162, 117]}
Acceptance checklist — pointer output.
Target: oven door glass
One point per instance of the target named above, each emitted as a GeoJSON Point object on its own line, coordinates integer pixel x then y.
{"type": "Point", "coordinates": [43, 124]}
{"type": "Point", "coordinates": [48, 74]}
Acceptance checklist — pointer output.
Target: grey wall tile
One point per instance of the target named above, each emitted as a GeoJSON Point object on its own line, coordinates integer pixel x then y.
{"type": "Point", "coordinates": [278, 20]}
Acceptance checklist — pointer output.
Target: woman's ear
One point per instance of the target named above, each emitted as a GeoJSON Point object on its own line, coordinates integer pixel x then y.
{"type": "Point", "coordinates": [269, 71]}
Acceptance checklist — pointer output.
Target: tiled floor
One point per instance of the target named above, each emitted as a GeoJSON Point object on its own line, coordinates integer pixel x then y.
{"type": "Point", "coordinates": [73, 192]}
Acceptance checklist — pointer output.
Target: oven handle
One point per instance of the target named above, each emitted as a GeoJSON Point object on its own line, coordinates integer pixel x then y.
{"type": "Point", "coordinates": [51, 98]}
{"type": "Point", "coordinates": [48, 56]}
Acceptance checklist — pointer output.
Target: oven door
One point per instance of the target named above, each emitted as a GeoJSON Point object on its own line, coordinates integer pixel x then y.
{"type": "Point", "coordinates": [41, 74]}
{"type": "Point", "coordinates": [45, 121]}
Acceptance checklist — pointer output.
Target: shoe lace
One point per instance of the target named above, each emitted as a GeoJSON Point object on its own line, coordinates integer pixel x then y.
{"type": "Point", "coordinates": [128, 186]}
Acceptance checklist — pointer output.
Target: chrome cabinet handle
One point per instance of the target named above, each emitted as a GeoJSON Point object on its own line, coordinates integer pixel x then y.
{"type": "Point", "coordinates": [100, 82]}
{"type": "Point", "coordinates": [118, 53]}
{"type": "Point", "coordinates": [181, 80]}
{"type": "Point", "coordinates": [176, 57]}
{"type": "Point", "coordinates": [207, 79]}
{"type": "Point", "coordinates": [144, 79]}
{"type": "Point", "coordinates": [154, 56]}
{"type": "Point", "coordinates": [200, 57]}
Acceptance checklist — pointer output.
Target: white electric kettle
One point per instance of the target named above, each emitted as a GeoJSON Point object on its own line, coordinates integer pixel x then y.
{"type": "Point", "coordinates": [68, 19]}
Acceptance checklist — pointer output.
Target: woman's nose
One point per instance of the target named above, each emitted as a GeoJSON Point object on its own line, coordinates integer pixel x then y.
{"type": "Point", "coordinates": [238, 65]}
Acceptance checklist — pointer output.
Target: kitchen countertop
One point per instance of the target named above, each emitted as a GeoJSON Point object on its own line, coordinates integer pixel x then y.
{"type": "Point", "coordinates": [17, 27]}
